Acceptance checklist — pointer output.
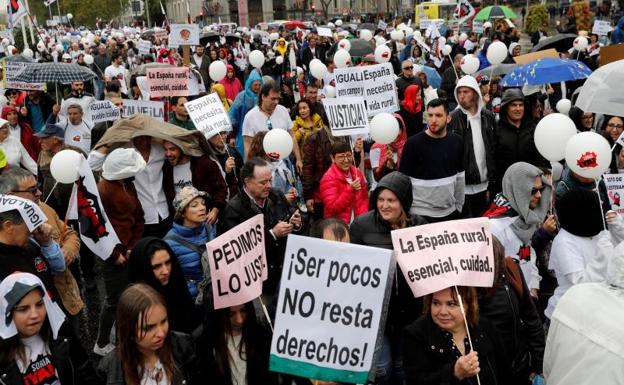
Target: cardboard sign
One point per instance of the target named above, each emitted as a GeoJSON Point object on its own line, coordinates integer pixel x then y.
{"type": "Point", "coordinates": [102, 111]}
{"type": "Point", "coordinates": [381, 25]}
{"type": "Point", "coordinates": [440, 255]}
{"type": "Point", "coordinates": [144, 47]}
{"type": "Point", "coordinates": [238, 264]}
{"type": "Point", "coordinates": [32, 215]}
{"type": "Point", "coordinates": [374, 83]}
{"type": "Point", "coordinates": [324, 31]}
{"type": "Point", "coordinates": [611, 53]}
{"type": "Point", "coordinates": [209, 115]}
{"type": "Point", "coordinates": [615, 190]}
{"type": "Point", "coordinates": [168, 81]}
{"type": "Point", "coordinates": [347, 116]}
{"type": "Point", "coordinates": [330, 309]}
{"type": "Point", "coordinates": [183, 34]}
{"type": "Point", "coordinates": [10, 70]}
{"type": "Point", "coordinates": [602, 27]}
{"type": "Point", "coordinates": [155, 110]}
{"type": "Point", "coordinates": [533, 56]}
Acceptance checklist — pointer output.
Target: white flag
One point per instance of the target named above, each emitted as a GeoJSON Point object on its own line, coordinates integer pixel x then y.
{"type": "Point", "coordinates": [16, 10]}
{"type": "Point", "coordinates": [463, 11]}
{"type": "Point", "coordinates": [96, 231]}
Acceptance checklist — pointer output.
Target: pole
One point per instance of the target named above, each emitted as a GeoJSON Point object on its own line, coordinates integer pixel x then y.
{"type": "Point", "coordinates": [23, 22]}
{"type": "Point", "coordinates": [58, 7]}
{"type": "Point", "coordinates": [147, 13]}
{"type": "Point", "coordinates": [30, 23]}
{"type": "Point", "coordinates": [461, 307]}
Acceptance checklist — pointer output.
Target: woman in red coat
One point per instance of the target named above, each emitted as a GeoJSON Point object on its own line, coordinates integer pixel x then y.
{"type": "Point", "coordinates": [343, 187]}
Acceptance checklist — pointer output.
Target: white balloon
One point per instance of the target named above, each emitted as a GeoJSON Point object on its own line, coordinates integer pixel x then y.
{"type": "Point", "coordinates": [28, 53]}
{"type": "Point", "coordinates": [497, 52]}
{"type": "Point", "coordinates": [338, 23]}
{"type": "Point", "coordinates": [409, 31]}
{"type": "Point", "coordinates": [64, 166]}
{"type": "Point", "coordinates": [384, 128]}
{"type": "Point", "coordinates": [447, 50]}
{"type": "Point", "coordinates": [59, 48]}
{"type": "Point", "coordinates": [279, 59]}
{"type": "Point", "coordinates": [256, 58]}
{"type": "Point", "coordinates": [552, 134]}
{"type": "Point", "coordinates": [380, 41]}
{"type": "Point", "coordinates": [396, 35]}
{"type": "Point", "coordinates": [330, 25]}
{"type": "Point", "coordinates": [557, 170]}
{"type": "Point", "coordinates": [41, 47]}
{"type": "Point", "coordinates": [342, 58]}
{"type": "Point", "coordinates": [217, 70]}
{"type": "Point", "coordinates": [382, 54]}
{"type": "Point", "coordinates": [442, 41]}
{"type": "Point", "coordinates": [274, 36]}
{"type": "Point", "coordinates": [330, 91]}
{"type": "Point", "coordinates": [70, 16]}
{"type": "Point", "coordinates": [487, 25]}
{"type": "Point", "coordinates": [580, 43]}
{"type": "Point", "coordinates": [318, 69]}
{"type": "Point", "coordinates": [463, 37]}
{"type": "Point", "coordinates": [278, 143]}
{"type": "Point", "coordinates": [366, 34]}
{"type": "Point", "coordinates": [588, 154]}
{"type": "Point", "coordinates": [88, 59]}
{"type": "Point", "coordinates": [470, 64]}
{"type": "Point", "coordinates": [344, 44]}
{"type": "Point", "coordinates": [564, 106]}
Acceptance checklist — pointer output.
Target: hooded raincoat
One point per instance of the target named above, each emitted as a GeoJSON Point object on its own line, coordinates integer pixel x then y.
{"type": "Point", "coordinates": [244, 102]}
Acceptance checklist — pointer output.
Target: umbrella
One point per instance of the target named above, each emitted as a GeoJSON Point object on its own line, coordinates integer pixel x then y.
{"type": "Point", "coordinates": [433, 77]}
{"type": "Point", "coordinates": [359, 47]}
{"type": "Point", "coordinates": [370, 26]}
{"type": "Point", "coordinates": [495, 12]}
{"type": "Point", "coordinates": [142, 69]}
{"type": "Point", "coordinates": [547, 70]}
{"type": "Point", "coordinates": [561, 42]}
{"type": "Point", "coordinates": [294, 24]}
{"type": "Point", "coordinates": [499, 70]}
{"type": "Point", "coordinates": [232, 36]}
{"type": "Point", "coordinates": [601, 92]}
{"type": "Point", "coordinates": [207, 37]}
{"type": "Point", "coordinates": [17, 59]}
{"type": "Point", "coordinates": [55, 72]}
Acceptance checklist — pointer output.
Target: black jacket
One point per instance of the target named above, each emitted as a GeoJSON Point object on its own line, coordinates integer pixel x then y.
{"type": "Point", "coordinates": [459, 125]}
{"type": "Point", "coordinates": [319, 53]}
{"type": "Point", "coordinates": [449, 79]}
{"type": "Point", "coordinates": [413, 122]}
{"type": "Point", "coordinates": [402, 83]}
{"type": "Point", "coordinates": [231, 178]}
{"type": "Point", "coordinates": [68, 357]}
{"type": "Point", "coordinates": [429, 358]}
{"type": "Point", "coordinates": [183, 354]}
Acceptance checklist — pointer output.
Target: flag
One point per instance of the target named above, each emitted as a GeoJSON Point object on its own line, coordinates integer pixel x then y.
{"type": "Point", "coordinates": [463, 11]}
{"type": "Point", "coordinates": [166, 21]}
{"type": "Point", "coordinates": [85, 205]}
{"type": "Point", "coordinates": [188, 12]}
{"type": "Point", "coordinates": [16, 11]}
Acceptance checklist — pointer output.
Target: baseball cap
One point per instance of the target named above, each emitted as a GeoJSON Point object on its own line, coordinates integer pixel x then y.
{"type": "Point", "coordinates": [51, 130]}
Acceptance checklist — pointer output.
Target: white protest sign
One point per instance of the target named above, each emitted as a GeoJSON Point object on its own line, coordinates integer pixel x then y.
{"type": "Point", "coordinates": [615, 190]}
{"type": "Point", "coordinates": [602, 27]}
{"type": "Point", "coordinates": [10, 70]}
{"type": "Point", "coordinates": [347, 116]}
{"type": "Point", "coordinates": [102, 111]}
{"type": "Point", "coordinates": [144, 47]}
{"type": "Point", "coordinates": [208, 115]}
{"type": "Point", "coordinates": [382, 25]}
{"type": "Point", "coordinates": [440, 255]}
{"type": "Point", "coordinates": [237, 262]}
{"type": "Point", "coordinates": [477, 26]}
{"type": "Point", "coordinates": [155, 110]}
{"type": "Point", "coordinates": [32, 215]}
{"type": "Point", "coordinates": [324, 31]}
{"type": "Point", "coordinates": [183, 34]}
{"type": "Point", "coordinates": [374, 83]}
{"type": "Point", "coordinates": [330, 309]}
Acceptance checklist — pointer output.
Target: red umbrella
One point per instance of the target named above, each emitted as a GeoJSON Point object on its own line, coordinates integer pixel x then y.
{"type": "Point", "coordinates": [294, 24]}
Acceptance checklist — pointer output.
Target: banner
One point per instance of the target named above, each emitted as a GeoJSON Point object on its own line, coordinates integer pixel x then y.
{"type": "Point", "coordinates": [238, 263]}
{"type": "Point", "coordinates": [32, 215]}
{"type": "Point", "coordinates": [10, 70]}
{"type": "Point", "coordinates": [15, 11]}
{"type": "Point", "coordinates": [615, 190]}
{"type": "Point", "coordinates": [155, 110]}
{"type": "Point", "coordinates": [144, 47]}
{"type": "Point", "coordinates": [330, 312]}
{"type": "Point", "coordinates": [463, 11]}
{"type": "Point", "coordinates": [168, 81]}
{"type": "Point", "coordinates": [321, 31]}
{"type": "Point", "coordinates": [102, 111]}
{"type": "Point", "coordinates": [183, 34]}
{"type": "Point", "coordinates": [440, 255]}
{"type": "Point", "coordinates": [85, 205]}
{"type": "Point", "coordinates": [347, 116]}
{"type": "Point", "coordinates": [208, 115]}
{"type": "Point", "coordinates": [374, 83]}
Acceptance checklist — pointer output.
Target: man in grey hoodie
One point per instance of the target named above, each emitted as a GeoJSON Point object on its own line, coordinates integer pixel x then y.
{"type": "Point", "coordinates": [475, 124]}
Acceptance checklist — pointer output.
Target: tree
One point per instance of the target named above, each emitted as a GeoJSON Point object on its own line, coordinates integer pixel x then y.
{"type": "Point", "coordinates": [85, 12]}
{"type": "Point", "coordinates": [325, 5]}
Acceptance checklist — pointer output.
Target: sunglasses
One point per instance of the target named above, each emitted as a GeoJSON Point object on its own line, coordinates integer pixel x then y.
{"type": "Point", "coordinates": [408, 68]}
{"type": "Point", "coordinates": [536, 190]}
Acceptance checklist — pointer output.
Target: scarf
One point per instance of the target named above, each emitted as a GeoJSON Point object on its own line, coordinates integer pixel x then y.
{"type": "Point", "coordinates": [412, 102]}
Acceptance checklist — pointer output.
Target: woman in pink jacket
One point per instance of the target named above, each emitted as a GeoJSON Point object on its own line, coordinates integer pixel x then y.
{"type": "Point", "coordinates": [343, 187]}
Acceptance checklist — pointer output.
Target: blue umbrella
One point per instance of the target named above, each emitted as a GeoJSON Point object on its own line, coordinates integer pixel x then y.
{"type": "Point", "coordinates": [433, 77]}
{"type": "Point", "coordinates": [547, 70]}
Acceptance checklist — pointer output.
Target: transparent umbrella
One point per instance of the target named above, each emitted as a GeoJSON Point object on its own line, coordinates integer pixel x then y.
{"type": "Point", "coordinates": [601, 92]}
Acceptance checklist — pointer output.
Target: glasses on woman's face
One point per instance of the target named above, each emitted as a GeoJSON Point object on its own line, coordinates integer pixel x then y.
{"type": "Point", "coordinates": [343, 157]}
{"type": "Point", "coordinates": [616, 126]}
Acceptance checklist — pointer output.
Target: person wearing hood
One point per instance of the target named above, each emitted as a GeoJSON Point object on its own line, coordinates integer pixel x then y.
{"type": "Point", "coordinates": [617, 36]}
{"type": "Point", "coordinates": [517, 213]}
{"type": "Point", "coordinates": [411, 109]}
{"type": "Point", "coordinates": [514, 50]}
{"type": "Point", "coordinates": [281, 47]}
{"type": "Point", "coordinates": [232, 84]}
{"type": "Point", "coordinates": [121, 203]}
{"type": "Point", "coordinates": [244, 102]}
{"type": "Point", "coordinates": [21, 131]}
{"type": "Point", "coordinates": [219, 89]}
{"type": "Point", "coordinates": [514, 136]}
{"type": "Point", "coordinates": [164, 57]}
{"type": "Point", "coordinates": [476, 125]}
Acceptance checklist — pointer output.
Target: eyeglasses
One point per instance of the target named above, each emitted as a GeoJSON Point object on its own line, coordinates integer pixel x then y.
{"type": "Point", "coordinates": [617, 126]}
{"type": "Point", "coordinates": [536, 190]}
{"type": "Point", "coordinates": [343, 157]}
{"type": "Point", "coordinates": [32, 190]}
{"type": "Point", "coordinates": [408, 68]}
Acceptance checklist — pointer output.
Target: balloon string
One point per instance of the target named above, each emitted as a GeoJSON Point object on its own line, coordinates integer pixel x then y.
{"type": "Point", "coordinates": [51, 191]}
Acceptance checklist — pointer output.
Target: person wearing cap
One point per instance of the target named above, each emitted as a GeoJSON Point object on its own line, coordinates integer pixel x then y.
{"type": "Point", "coordinates": [21, 130]}
{"type": "Point", "coordinates": [14, 152]}
{"type": "Point", "coordinates": [77, 131]}
{"type": "Point", "coordinates": [475, 124]}
{"type": "Point", "coordinates": [77, 96]}
{"type": "Point", "coordinates": [40, 346]}
{"type": "Point", "coordinates": [123, 209]}
{"type": "Point", "coordinates": [514, 135]}
{"type": "Point", "coordinates": [228, 159]}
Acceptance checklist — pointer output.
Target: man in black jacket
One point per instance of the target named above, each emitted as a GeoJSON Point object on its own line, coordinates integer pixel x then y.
{"type": "Point", "coordinates": [407, 78]}
{"type": "Point", "coordinates": [258, 197]}
{"type": "Point", "coordinates": [312, 51]}
{"type": "Point", "coordinates": [450, 79]}
{"type": "Point", "coordinates": [476, 126]}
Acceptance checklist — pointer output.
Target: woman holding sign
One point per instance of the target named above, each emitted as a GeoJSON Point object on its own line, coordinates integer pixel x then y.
{"type": "Point", "coordinates": [437, 349]}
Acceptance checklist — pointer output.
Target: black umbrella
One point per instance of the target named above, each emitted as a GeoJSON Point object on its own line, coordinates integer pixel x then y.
{"type": "Point", "coordinates": [55, 72]}
{"type": "Point", "coordinates": [230, 37]}
{"type": "Point", "coordinates": [359, 48]}
{"type": "Point", "coordinates": [207, 37]}
{"type": "Point", "coordinates": [561, 42]}
{"type": "Point", "coordinates": [370, 26]}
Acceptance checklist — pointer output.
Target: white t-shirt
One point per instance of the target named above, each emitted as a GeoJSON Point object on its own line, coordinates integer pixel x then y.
{"type": "Point", "coordinates": [182, 176]}
{"type": "Point", "coordinates": [155, 376]}
{"type": "Point", "coordinates": [78, 135]}
{"type": "Point", "coordinates": [256, 121]}
{"type": "Point", "coordinates": [238, 364]}
{"type": "Point", "coordinates": [118, 73]}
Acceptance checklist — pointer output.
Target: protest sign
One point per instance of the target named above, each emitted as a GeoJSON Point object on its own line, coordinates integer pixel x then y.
{"type": "Point", "coordinates": [533, 56]}
{"type": "Point", "coordinates": [238, 264]}
{"type": "Point", "coordinates": [374, 83]}
{"type": "Point", "coordinates": [32, 215]}
{"type": "Point", "coordinates": [183, 34]}
{"type": "Point", "coordinates": [208, 115]}
{"type": "Point", "coordinates": [102, 111]}
{"type": "Point", "coordinates": [10, 70]}
{"type": "Point", "coordinates": [602, 27]}
{"type": "Point", "coordinates": [615, 190]}
{"type": "Point", "coordinates": [330, 310]}
{"type": "Point", "coordinates": [321, 31]}
{"type": "Point", "coordinates": [144, 47]}
{"type": "Point", "coordinates": [611, 53]}
{"type": "Point", "coordinates": [167, 81]}
{"type": "Point", "coordinates": [477, 26]}
{"type": "Point", "coordinates": [155, 110]}
{"type": "Point", "coordinates": [440, 255]}
{"type": "Point", "coordinates": [381, 25]}
{"type": "Point", "coordinates": [347, 116]}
